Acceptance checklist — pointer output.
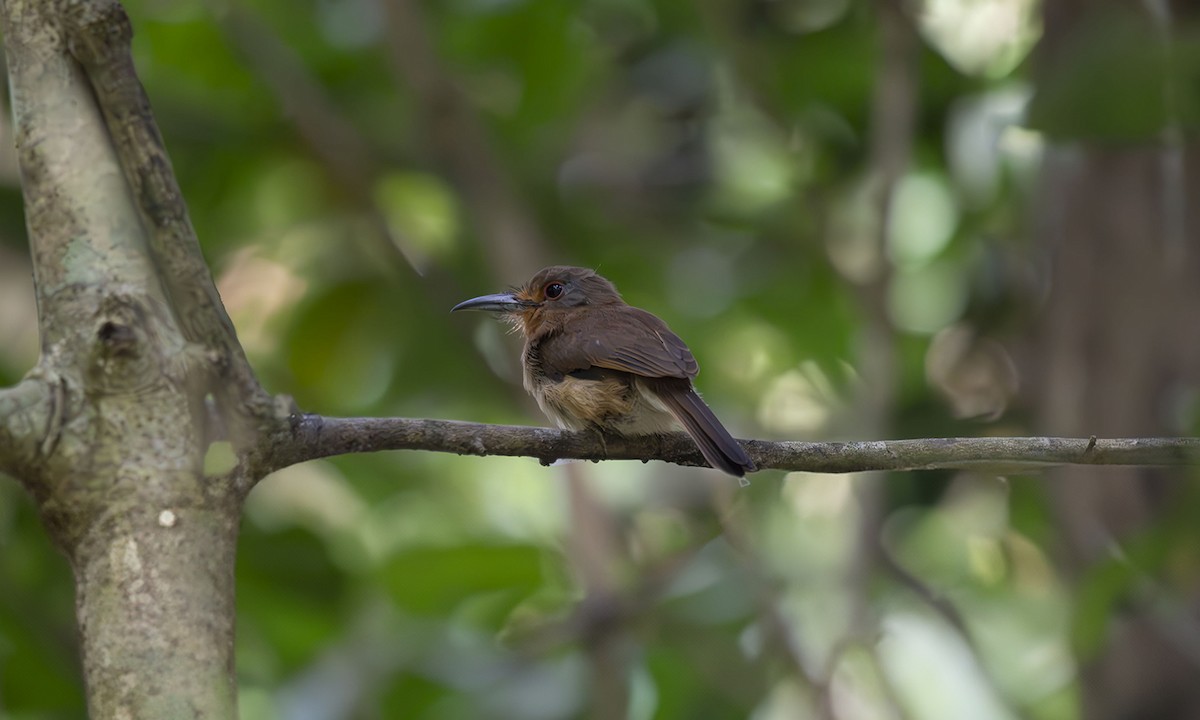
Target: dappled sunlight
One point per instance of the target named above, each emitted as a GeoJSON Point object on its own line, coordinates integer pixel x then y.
{"type": "Point", "coordinates": [927, 290]}
{"type": "Point", "coordinates": [1023, 149]}
{"type": "Point", "coordinates": [817, 496]}
{"type": "Point", "coordinates": [521, 500]}
{"type": "Point", "coordinates": [811, 15]}
{"type": "Point", "coordinates": [976, 146]}
{"type": "Point", "coordinates": [1031, 570]}
{"type": "Point", "coordinates": [916, 647]}
{"type": "Point", "coordinates": [927, 298]}
{"type": "Point", "coordinates": [757, 164]}
{"type": "Point", "coordinates": [256, 291]}
{"type": "Point", "coordinates": [988, 37]}
{"type": "Point", "coordinates": [1023, 643]}
{"type": "Point", "coordinates": [785, 701]}
{"type": "Point", "coordinates": [798, 403]}
{"type": "Point", "coordinates": [749, 352]}
{"type": "Point", "coordinates": [966, 551]}
{"type": "Point", "coordinates": [985, 559]}
{"type": "Point", "coordinates": [407, 519]}
{"type": "Point", "coordinates": [858, 690]}
{"type": "Point", "coordinates": [630, 488]}
{"type": "Point", "coordinates": [284, 191]}
{"type": "Point", "coordinates": [817, 609]}
{"type": "Point", "coordinates": [313, 495]}
{"type": "Point", "coordinates": [421, 210]}
{"type": "Point", "coordinates": [924, 216]}
{"type": "Point", "coordinates": [851, 242]}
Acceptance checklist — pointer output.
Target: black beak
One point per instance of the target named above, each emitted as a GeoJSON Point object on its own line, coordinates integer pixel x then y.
{"type": "Point", "coordinates": [501, 302]}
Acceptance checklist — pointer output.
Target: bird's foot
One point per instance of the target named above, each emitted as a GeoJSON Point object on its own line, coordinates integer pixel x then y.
{"type": "Point", "coordinates": [602, 436]}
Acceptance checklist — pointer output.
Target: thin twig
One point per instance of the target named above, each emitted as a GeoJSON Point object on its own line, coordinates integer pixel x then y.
{"type": "Point", "coordinates": [309, 437]}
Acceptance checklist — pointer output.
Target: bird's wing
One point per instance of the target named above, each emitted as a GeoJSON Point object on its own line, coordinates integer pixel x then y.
{"type": "Point", "coordinates": [635, 341]}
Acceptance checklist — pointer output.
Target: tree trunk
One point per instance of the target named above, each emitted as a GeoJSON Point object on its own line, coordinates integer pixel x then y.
{"type": "Point", "coordinates": [1113, 353]}
{"type": "Point", "coordinates": [108, 432]}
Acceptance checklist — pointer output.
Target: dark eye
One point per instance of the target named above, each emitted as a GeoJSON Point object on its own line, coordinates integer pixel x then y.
{"type": "Point", "coordinates": [553, 291]}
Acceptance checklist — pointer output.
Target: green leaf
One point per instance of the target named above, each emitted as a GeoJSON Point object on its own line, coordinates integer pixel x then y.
{"type": "Point", "coordinates": [436, 581]}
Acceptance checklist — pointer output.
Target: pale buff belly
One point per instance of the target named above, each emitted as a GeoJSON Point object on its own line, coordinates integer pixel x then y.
{"type": "Point", "coordinates": [611, 404]}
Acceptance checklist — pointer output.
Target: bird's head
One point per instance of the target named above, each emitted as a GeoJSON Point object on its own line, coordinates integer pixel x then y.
{"type": "Point", "coordinates": [550, 294]}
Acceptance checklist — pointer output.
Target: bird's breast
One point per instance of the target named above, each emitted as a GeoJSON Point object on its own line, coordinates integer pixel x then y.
{"type": "Point", "coordinates": [578, 404]}
{"type": "Point", "coordinates": [612, 401]}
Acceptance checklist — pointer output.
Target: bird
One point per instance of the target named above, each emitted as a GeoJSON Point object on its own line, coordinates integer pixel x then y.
{"type": "Point", "coordinates": [595, 363]}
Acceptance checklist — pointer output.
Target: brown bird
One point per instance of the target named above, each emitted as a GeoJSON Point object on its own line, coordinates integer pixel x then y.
{"type": "Point", "coordinates": [596, 363]}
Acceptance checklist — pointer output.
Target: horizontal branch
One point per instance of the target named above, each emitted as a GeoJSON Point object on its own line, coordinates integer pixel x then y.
{"type": "Point", "coordinates": [309, 437]}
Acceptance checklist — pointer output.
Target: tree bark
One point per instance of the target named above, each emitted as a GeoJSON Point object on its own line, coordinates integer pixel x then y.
{"type": "Point", "coordinates": [109, 431]}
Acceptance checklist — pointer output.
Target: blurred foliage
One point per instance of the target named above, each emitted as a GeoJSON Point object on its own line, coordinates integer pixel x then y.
{"type": "Point", "coordinates": [720, 161]}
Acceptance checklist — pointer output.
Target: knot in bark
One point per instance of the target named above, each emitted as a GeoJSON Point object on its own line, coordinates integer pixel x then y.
{"type": "Point", "coordinates": [122, 358]}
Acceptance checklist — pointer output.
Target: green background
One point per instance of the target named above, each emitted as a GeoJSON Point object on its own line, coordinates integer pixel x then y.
{"type": "Point", "coordinates": [725, 164]}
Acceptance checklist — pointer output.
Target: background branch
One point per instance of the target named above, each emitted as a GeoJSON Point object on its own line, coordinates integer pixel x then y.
{"type": "Point", "coordinates": [315, 436]}
{"type": "Point", "coordinates": [509, 237]}
{"type": "Point", "coordinates": [352, 164]}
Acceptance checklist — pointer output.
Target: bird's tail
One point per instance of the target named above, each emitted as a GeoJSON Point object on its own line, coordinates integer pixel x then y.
{"type": "Point", "coordinates": [716, 444]}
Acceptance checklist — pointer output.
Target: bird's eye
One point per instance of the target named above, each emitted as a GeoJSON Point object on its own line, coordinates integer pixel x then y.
{"type": "Point", "coordinates": [554, 291]}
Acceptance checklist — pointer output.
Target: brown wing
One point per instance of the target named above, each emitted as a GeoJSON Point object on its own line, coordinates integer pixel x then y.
{"type": "Point", "coordinates": [716, 444]}
{"type": "Point", "coordinates": [627, 339]}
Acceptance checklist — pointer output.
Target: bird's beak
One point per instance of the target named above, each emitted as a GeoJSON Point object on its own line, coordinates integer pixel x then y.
{"type": "Point", "coordinates": [501, 302]}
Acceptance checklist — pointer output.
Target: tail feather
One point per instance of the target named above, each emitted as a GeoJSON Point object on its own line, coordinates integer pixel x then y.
{"type": "Point", "coordinates": [716, 444]}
